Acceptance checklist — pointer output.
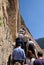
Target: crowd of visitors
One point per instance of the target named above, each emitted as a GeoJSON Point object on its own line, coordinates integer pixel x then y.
{"type": "Point", "coordinates": [25, 53]}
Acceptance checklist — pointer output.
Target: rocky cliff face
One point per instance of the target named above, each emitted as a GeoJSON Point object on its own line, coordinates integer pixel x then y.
{"type": "Point", "coordinates": [10, 23]}
{"type": "Point", "coordinates": [6, 38]}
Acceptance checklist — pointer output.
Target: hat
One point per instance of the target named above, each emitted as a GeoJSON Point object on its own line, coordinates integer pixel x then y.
{"type": "Point", "coordinates": [21, 36]}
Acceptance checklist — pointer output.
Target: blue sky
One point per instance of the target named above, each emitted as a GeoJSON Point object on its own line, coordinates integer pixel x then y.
{"type": "Point", "coordinates": [32, 12]}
